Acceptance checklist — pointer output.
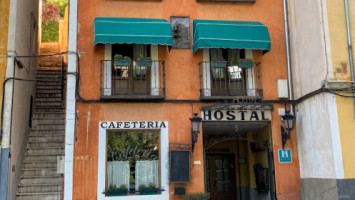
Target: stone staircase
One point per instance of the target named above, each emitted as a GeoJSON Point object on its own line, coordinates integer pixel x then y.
{"type": "Point", "coordinates": [40, 179]}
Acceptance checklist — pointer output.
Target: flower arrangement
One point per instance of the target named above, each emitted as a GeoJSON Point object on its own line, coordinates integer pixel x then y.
{"type": "Point", "coordinates": [122, 60]}
{"type": "Point", "coordinates": [114, 191]}
{"type": "Point", "coordinates": [151, 189]}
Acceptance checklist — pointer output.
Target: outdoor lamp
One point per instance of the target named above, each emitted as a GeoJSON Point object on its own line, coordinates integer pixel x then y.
{"type": "Point", "coordinates": [288, 120]}
{"type": "Point", "coordinates": [195, 129]}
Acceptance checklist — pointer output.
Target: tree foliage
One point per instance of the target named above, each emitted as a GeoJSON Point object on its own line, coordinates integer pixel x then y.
{"type": "Point", "coordinates": [50, 12]}
{"type": "Point", "coordinates": [50, 31]}
{"type": "Point", "coordinates": [61, 4]}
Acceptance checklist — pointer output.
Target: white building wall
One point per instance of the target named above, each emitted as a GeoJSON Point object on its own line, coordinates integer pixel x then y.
{"type": "Point", "coordinates": [21, 41]}
{"type": "Point", "coordinates": [318, 137]}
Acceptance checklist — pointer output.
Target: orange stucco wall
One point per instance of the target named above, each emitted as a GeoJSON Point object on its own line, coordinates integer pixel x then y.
{"type": "Point", "coordinates": [182, 83]}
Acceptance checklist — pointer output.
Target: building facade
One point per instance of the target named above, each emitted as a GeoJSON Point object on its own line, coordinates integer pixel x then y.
{"type": "Point", "coordinates": [323, 69]}
{"type": "Point", "coordinates": [19, 24]}
{"type": "Point", "coordinates": [138, 71]}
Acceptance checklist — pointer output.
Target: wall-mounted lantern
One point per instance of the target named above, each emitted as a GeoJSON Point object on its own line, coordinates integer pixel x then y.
{"type": "Point", "coordinates": [288, 120]}
{"type": "Point", "coordinates": [195, 129]}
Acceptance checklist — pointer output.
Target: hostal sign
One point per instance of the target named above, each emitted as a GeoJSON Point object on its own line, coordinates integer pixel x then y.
{"type": "Point", "coordinates": [236, 115]}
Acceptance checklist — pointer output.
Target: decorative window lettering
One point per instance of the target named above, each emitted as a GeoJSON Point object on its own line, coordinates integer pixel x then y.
{"type": "Point", "coordinates": [132, 160]}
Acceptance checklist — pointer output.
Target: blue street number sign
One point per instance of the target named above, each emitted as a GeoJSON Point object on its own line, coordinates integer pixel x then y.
{"type": "Point", "coordinates": [285, 156]}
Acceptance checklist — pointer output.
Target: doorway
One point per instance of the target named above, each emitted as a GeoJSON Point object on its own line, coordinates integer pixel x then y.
{"type": "Point", "coordinates": [220, 176]}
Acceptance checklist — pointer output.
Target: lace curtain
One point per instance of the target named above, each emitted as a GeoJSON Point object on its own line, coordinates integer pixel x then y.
{"type": "Point", "coordinates": [146, 172]}
{"type": "Point", "coordinates": [118, 173]}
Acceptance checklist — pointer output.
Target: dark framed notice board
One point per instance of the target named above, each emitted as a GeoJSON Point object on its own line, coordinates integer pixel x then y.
{"type": "Point", "coordinates": [179, 166]}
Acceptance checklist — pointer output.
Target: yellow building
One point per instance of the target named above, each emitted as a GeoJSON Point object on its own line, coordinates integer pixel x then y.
{"type": "Point", "coordinates": [4, 24]}
{"type": "Point", "coordinates": [323, 81]}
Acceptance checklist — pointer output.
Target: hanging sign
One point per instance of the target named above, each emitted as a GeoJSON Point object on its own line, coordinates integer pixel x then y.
{"type": "Point", "coordinates": [236, 115]}
{"type": "Point", "coordinates": [285, 156]}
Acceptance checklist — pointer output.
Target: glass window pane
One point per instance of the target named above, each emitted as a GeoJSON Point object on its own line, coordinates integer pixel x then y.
{"type": "Point", "coordinates": [219, 186]}
{"type": "Point", "coordinates": [219, 175]}
{"type": "Point", "coordinates": [227, 186]}
{"type": "Point", "coordinates": [226, 164]}
{"type": "Point", "coordinates": [227, 175]}
{"type": "Point", "coordinates": [133, 159]}
{"type": "Point", "coordinates": [219, 163]}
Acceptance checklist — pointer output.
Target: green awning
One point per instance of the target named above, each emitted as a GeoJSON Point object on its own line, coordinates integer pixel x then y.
{"type": "Point", "coordinates": [132, 31]}
{"type": "Point", "coordinates": [230, 35]}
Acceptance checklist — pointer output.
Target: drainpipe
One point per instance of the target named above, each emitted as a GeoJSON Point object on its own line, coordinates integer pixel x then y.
{"type": "Point", "coordinates": [289, 78]}
{"type": "Point", "coordinates": [350, 47]}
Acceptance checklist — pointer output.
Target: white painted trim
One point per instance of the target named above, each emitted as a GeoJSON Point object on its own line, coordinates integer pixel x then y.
{"type": "Point", "coordinates": [206, 73]}
{"type": "Point", "coordinates": [154, 70]}
{"type": "Point", "coordinates": [70, 102]}
{"type": "Point", "coordinates": [335, 134]}
{"type": "Point", "coordinates": [164, 163]}
{"type": "Point", "coordinates": [11, 44]}
{"type": "Point", "coordinates": [108, 70]}
{"type": "Point", "coordinates": [250, 74]}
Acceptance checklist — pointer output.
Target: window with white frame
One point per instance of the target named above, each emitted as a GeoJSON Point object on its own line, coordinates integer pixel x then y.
{"type": "Point", "coordinates": [131, 69]}
{"type": "Point", "coordinates": [133, 161]}
{"type": "Point", "coordinates": [226, 72]}
{"type": "Point", "coordinates": [132, 154]}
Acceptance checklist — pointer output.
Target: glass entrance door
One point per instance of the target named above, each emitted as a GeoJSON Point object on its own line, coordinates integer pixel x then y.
{"type": "Point", "coordinates": [220, 176]}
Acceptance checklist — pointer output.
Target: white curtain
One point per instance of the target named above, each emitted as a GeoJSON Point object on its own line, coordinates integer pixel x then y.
{"type": "Point", "coordinates": [139, 52]}
{"type": "Point", "coordinates": [232, 57]}
{"type": "Point", "coordinates": [118, 173]}
{"type": "Point", "coordinates": [146, 172]}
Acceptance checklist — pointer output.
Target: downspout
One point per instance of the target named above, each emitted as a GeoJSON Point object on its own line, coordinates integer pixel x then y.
{"type": "Point", "coordinates": [350, 47]}
{"type": "Point", "coordinates": [289, 78]}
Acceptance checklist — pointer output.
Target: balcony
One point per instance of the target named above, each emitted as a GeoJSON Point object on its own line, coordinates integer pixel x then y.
{"type": "Point", "coordinates": [132, 81]}
{"type": "Point", "coordinates": [230, 82]}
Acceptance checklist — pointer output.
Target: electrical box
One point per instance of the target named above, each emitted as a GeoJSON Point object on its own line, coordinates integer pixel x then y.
{"type": "Point", "coordinates": [282, 88]}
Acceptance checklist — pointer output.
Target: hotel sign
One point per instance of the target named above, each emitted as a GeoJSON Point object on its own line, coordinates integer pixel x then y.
{"type": "Point", "coordinates": [236, 115]}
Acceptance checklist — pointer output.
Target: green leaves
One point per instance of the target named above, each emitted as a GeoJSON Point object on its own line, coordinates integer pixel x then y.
{"type": "Point", "coordinates": [50, 31]}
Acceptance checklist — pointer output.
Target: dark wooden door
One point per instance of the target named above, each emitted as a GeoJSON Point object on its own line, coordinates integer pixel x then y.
{"type": "Point", "coordinates": [220, 175]}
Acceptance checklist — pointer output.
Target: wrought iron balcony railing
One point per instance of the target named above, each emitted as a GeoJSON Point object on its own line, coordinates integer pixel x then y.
{"type": "Point", "coordinates": [134, 80]}
{"type": "Point", "coordinates": [219, 82]}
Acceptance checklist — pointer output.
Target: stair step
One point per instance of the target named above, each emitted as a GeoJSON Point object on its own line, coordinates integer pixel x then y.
{"type": "Point", "coordinates": [48, 91]}
{"type": "Point", "coordinates": [52, 82]}
{"type": "Point", "coordinates": [46, 72]}
{"type": "Point", "coordinates": [44, 158]}
{"type": "Point", "coordinates": [41, 165]}
{"type": "Point", "coordinates": [40, 188]}
{"type": "Point", "coordinates": [41, 180]}
{"type": "Point", "coordinates": [46, 95]}
{"type": "Point", "coordinates": [49, 99]}
{"type": "Point", "coordinates": [56, 151]}
{"type": "Point", "coordinates": [38, 115]}
{"type": "Point", "coordinates": [39, 196]}
{"type": "Point", "coordinates": [37, 145]}
{"type": "Point", "coordinates": [48, 127]}
{"type": "Point", "coordinates": [47, 139]}
{"type": "Point", "coordinates": [47, 132]}
{"type": "Point", "coordinates": [50, 110]}
{"type": "Point", "coordinates": [45, 103]}
{"type": "Point", "coordinates": [39, 172]}
{"type": "Point", "coordinates": [49, 121]}
{"type": "Point", "coordinates": [48, 87]}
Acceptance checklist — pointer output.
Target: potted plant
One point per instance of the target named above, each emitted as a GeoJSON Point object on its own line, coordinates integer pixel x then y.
{"type": "Point", "coordinates": [220, 63]}
{"type": "Point", "coordinates": [197, 196]}
{"type": "Point", "coordinates": [122, 61]}
{"type": "Point", "coordinates": [151, 189]}
{"type": "Point", "coordinates": [114, 191]}
{"type": "Point", "coordinates": [245, 63]}
{"type": "Point", "coordinates": [144, 62]}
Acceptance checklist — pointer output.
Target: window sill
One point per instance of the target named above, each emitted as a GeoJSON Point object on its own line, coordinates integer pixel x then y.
{"type": "Point", "coordinates": [133, 97]}
{"type": "Point", "coordinates": [217, 98]}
